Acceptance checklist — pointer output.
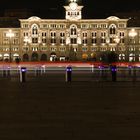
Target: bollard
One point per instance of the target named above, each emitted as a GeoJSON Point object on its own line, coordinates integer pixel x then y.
{"type": "Point", "coordinates": [38, 71]}
{"type": "Point", "coordinates": [8, 71]}
{"type": "Point", "coordinates": [68, 74]}
{"type": "Point", "coordinates": [101, 71]}
{"type": "Point", "coordinates": [114, 73]}
{"type": "Point", "coordinates": [130, 70]}
{"type": "Point", "coordinates": [92, 68]}
{"type": "Point", "coordinates": [23, 74]}
{"type": "Point", "coordinates": [43, 69]}
{"type": "Point", "coordinates": [4, 73]}
{"type": "Point", "coordinates": [134, 74]}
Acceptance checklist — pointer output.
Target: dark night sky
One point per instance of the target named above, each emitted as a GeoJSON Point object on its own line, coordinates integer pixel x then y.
{"type": "Point", "coordinates": [54, 8]}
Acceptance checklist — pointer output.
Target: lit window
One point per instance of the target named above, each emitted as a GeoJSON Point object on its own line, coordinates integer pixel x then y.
{"type": "Point", "coordinates": [84, 34]}
{"type": "Point", "coordinates": [84, 41]}
{"type": "Point", "coordinates": [112, 29]}
{"type": "Point", "coordinates": [62, 41]}
{"type": "Point", "coordinates": [93, 40]}
{"type": "Point", "coordinates": [34, 30]}
{"type": "Point", "coordinates": [53, 40]}
{"type": "Point", "coordinates": [53, 34]}
{"type": "Point", "coordinates": [73, 40]}
{"type": "Point", "coordinates": [44, 40]}
{"type": "Point", "coordinates": [94, 34]}
{"type": "Point", "coordinates": [62, 34]}
{"type": "Point", "coordinates": [34, 40]}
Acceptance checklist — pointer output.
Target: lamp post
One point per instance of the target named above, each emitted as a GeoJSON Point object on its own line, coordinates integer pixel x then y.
{"type": "Point", "coordinates": [132, 34]}
{"type": "Point", "coordinates": [39, 47]}
{"type": "Point", "coordinates": [117, 41]}
{"type": "Point", "coordinates": [10, 34]}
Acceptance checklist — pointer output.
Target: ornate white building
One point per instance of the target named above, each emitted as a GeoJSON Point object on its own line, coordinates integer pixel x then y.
{"type": "Point", "coordinates": [72, 38]}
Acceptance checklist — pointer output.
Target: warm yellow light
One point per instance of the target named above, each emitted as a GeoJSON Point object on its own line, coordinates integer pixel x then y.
{"type": "Point", "coordinates": [84, 56]}
{"type": "Point", "coordinates": [132, 33]}
{"type": "Point", "coordinates": [27, 40]}
{"type": "Point", "coordinates": [73, 5]}
{"type": "Point", "coordinates": [73, 0]}
{"type": "Point", "coordinates": [10, 34]}
{"type": "Point", "coordinates": [107, 40]}
{"type": "Point", "coordinates": [117, 39]}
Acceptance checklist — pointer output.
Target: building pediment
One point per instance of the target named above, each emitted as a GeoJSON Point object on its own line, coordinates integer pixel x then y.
{"type": "Point", "coordinates": [113, 18]}
{"type": "Point", "coordinates": [34, 18]}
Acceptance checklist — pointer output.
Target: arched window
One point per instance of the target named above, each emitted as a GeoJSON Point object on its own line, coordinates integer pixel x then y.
{"type": "Point", "coordinates": [43, 57]}
{"type": "Point", "coordinates": [34, 33]}
{"type": "Point", "coordinates": [73, 30]}
{"type": "Point", "coordinates": [112, 29]}
{"type": "Point", "coordinates": [73, 34]}
{"type": "Point", "coordinates": [25, 57]}
{"type": "Point", "coordinates": [34, 29]}
{"type": "Point", "coordinates": [121, 57]}
{"type": "Point", "coordinates": [34, 57]}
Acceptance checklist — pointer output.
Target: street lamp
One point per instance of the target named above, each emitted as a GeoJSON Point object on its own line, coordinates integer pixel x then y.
{"type": "Point", "coordinates": [10, 34]}
{"type": "Point", "coordinates": [132, 34]}
{"type": "Point", "coordinates": [117, 41]}
{"type": "Point", "coordinates": [40, 48]}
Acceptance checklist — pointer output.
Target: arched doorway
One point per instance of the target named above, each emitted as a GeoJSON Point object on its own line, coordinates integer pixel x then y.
{"type": "Point", "coordinates": [62, 58]}
{"type": "Point", "coordinates": [25, 57]}
{"type": "Point", "coordinates": [121, 57]}
{"type": "Point", "coordinates": [43, 57]}
{"type": "Point", "coordinates": [15, 56]}
{"type": "Point", "coordinates": [53, 56]}
{"type": "Point", "coordinates": [6, 57]}
{"type": "Point", "coordinates": [1, 57]}
{"type": "Point", "coordinates": [34, 57]}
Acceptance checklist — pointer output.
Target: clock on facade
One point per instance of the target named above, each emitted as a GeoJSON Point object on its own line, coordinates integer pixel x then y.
{"type": "Point", "coordinates": [73, 6]}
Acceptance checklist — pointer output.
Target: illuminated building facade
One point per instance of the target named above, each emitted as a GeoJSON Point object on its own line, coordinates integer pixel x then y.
{"type": "Point", "coordinates": [72, 38]}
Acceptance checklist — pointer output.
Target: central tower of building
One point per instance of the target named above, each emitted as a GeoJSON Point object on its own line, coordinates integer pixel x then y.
{"type": "Point", "coordinates": [73, 11]}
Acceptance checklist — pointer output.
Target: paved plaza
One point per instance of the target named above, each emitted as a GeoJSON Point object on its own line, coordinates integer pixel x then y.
{"type": "Point", "coordinates": [48, 108]}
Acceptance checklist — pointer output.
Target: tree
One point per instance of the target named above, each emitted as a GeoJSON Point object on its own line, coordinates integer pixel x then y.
{"type": "Point", "coordinates": [112, 57]}
{"type": "Point", "coordinates": [17, 60]}
{"type": "Point", "coordinates": [109, 57]}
